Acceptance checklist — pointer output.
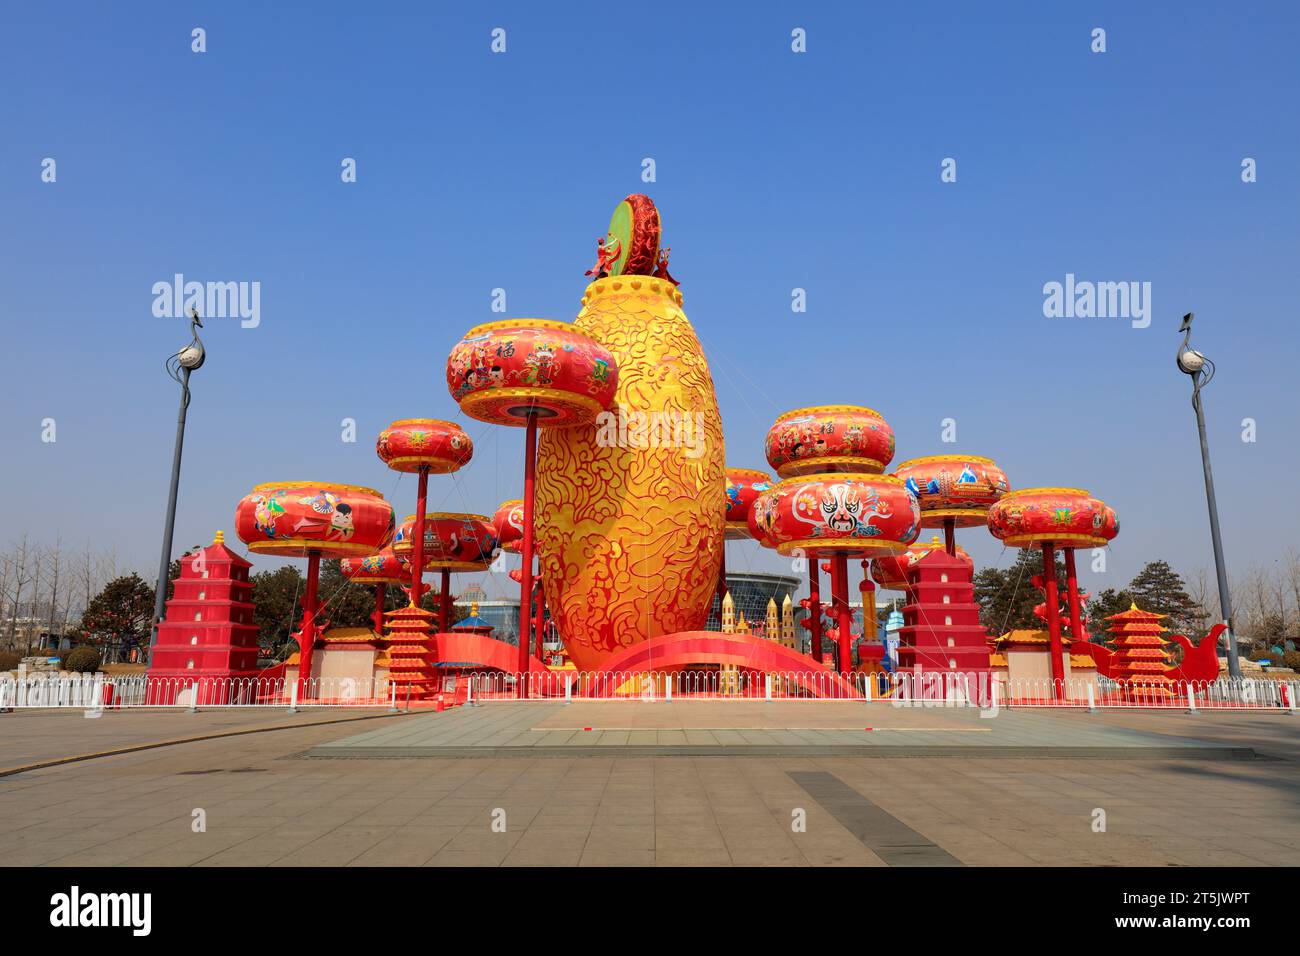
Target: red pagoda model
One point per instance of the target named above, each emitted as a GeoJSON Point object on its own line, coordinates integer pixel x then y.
{"type": "Point", "coordinates": [1139, 659]}
{"type": "Point", "coordinates": [941, 624]}
{"type": "Point", "coordinates": [208, 635]}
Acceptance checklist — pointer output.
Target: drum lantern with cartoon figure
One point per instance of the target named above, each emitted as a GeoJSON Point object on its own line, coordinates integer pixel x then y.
{"type": "Point", "coordinates": [297, 518]}
{"type": "Point", "coordinates": [830, 438]}
{"type": "Point", "coordinates": [504, 372]}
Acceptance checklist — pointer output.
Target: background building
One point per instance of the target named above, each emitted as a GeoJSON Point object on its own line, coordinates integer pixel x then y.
{"type": "Point", "coordinates": [751, 590]}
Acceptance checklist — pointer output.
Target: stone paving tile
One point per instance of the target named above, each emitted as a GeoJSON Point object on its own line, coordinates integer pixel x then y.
{"type": "Point", "coordinates": [636, 810]}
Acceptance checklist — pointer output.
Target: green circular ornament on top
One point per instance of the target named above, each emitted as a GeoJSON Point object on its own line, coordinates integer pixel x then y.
{"type": "Point", "coordinates": [635, 227]}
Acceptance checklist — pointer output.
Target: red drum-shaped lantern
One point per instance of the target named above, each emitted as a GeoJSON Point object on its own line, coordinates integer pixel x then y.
{"type": "Point", "coordinates": [296, 518]}
{"type": "Point", "coordinates": [508, 525]}
{"type": "Point", "coordinates": [452, 542]}
{"type": "Point", "coordinates": [890, 571]}
{"type": "Point", "coordinates": [1064, 517]}
{"type": "Point", "coordinates": [744, 485]}
{"type": "Point", "coordinates": [839, 514]}
{"type": "Point", "coordinates": [830, 438]}
{"type": "Point", "coordinates": [761, 514]}
{"type": "Point", "coordinates": [410, 443]}
{"type": "Point", "coordinates": [510, 371]}
{"type": "Point", "coordinates": [956, 487]}
{"type": "Point", "coordinates": [384, 567]}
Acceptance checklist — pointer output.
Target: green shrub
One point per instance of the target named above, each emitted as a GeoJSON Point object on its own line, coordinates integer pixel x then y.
{"type": "Point", "coordinates": [9, 660]}
{"type": "Point", "coordinates": [82, 660]}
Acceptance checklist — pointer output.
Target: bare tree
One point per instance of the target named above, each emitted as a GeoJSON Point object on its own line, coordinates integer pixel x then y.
{"type": "Point", "coordinates": [56, 562]}
{"type": "Point", "coordinates": [21, 578]}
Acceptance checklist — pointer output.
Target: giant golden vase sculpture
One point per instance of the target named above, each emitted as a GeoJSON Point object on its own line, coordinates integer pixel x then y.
{"type": "Point", "coordinates": [630, 513]}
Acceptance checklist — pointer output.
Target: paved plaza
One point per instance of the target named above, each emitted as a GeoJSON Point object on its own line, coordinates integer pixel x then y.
{"type": "Point", "coordinates": [653, 783]}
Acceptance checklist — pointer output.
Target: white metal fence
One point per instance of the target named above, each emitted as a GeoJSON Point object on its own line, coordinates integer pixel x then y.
{"type": "Point", "coordinates": [46, 690]}
{"type": "Point", "coordinates": [911, 688]}
{"type": "Point", "coordinates": [930, 688]}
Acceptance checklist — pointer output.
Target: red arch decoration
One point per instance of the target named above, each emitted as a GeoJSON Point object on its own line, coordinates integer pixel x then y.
{"type": "Point", "coordinates": [483, 652]}
{"type": "Point", "coordinates": [669, 652]}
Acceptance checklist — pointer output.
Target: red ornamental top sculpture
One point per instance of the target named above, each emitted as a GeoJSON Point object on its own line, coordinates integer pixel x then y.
{"type": "Point", "coordinates": [1065, 517]}
{"type": "Point", "coordinates": [833, 514]}
{"type": "Point", "coordinates": [296, 518]}
{"type": "Point", "coordinates": [411, 443]}
{"type": "Point", "coordinates": [890, 571]}
{"type": "Point", "coordinates": [384, 567]}
{"type": "Point", "coordinates": [508, 525]}
{"type": "Point", "coordinates": [744, 485]}
{"type": "Point", "coordinates": [506, 372]}
{"type": "Point", "coordinates": [956, 487]}
{"type": "Point", "coordinates": [452, 542]}
{"type": "Point", "coordinates": [830, 438]}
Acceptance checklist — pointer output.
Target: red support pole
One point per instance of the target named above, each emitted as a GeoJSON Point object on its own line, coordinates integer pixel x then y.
{"type": "Point", "coordinates": [815, 607]}
{"type": "Point", "coordinates": [844, 615]}
{"type": "Point", "coordinates": [417, 553]}
{"type": "Point", "coordinates": [1072, 592]}
{"type": "Point", "coordinates": [381, 591]}
{"type": "Point", "coordinates": [950, 536]}
{"type": "Point", "coordinates": [1053, 620]}
{"type": "Point", "coordinates": [307, 633]}
{"type": "Point", "coordinates": [526, 549]}
{"type": "Point", "coordinates": [444, 614]}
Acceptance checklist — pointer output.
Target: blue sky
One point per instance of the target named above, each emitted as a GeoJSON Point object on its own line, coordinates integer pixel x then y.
{"type": "Point", "coordinates": [775, 170]}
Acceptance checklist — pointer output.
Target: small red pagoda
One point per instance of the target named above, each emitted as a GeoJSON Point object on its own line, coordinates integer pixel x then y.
{"type": "Point", "coordinates": [208, 631]}
{"type": "Point", "coordinates": [1140, 659]}
{"type": "Point", "coordinates": [941, 624]}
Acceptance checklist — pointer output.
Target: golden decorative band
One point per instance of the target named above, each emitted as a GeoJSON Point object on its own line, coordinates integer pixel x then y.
{"type": "Point", "coordinates": [1046, 491]}
{"type": "Point", "coordinates": [814, 409]}
{"type": "Point", "coordinates": [524, 325]}
{"type": "Point", "coordinates": [323, 485]}
{"type": "Point", "coordinates": [289, 547]}
{"type": "Point", "coordinates": [494, 396]}
{"type": "Point", "coordinates": [842, 544]}
{"type": "Point", "coordinates": [863, 476]}
{"type": "Point", "coordinates": [929, 458]}
{"type": "Point", "coordinates": [1069, 540]}
{"type": "Point", "coordinates": [453, 515]}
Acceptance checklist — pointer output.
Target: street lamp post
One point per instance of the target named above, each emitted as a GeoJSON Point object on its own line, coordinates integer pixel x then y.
{"type": "Point", "coordinates": [179, 367]}
{"type": "Point", "coordinates": [1200, 369]}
